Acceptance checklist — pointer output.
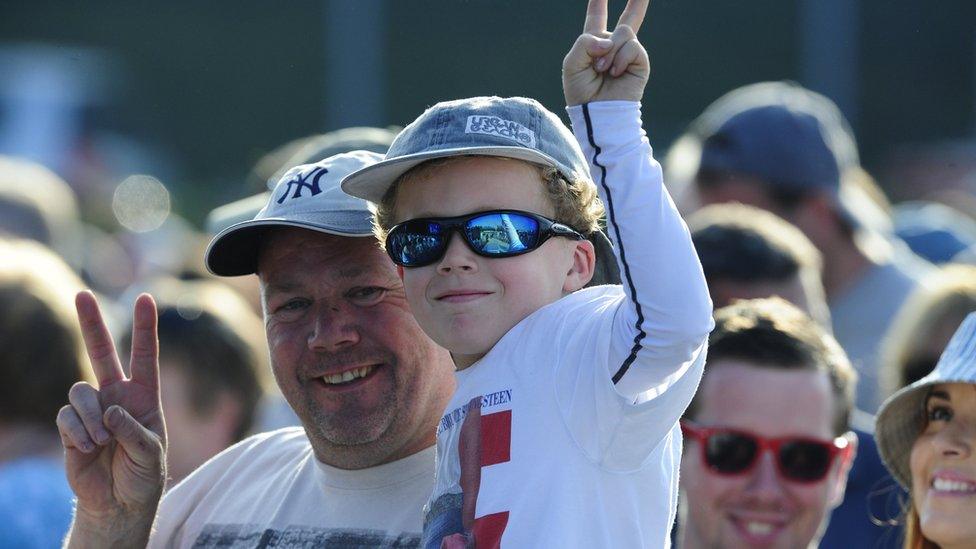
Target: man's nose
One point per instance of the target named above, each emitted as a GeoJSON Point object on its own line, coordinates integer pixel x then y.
{"type": "Point", "coordinates": [765, 482]}
{"type": "Point", "coordinates": [334, 329]}
{"type": "Point", "coordinates": [458, 257]}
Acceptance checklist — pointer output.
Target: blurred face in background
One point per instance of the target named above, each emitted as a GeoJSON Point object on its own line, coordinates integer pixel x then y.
{"type": "Point", "coordinates": [194, 436]}
{"type": "Point", "coordinates": [943, 466]}
{"type": "Point", "coordinates": [759, 508]}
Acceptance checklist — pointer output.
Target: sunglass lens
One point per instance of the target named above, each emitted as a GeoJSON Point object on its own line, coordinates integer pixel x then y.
{"type": "Point", "coordinates": [416, 243]}
{"type": "Point", "coordinates": [730, 452]}
{"type": "Point", "coordinates": [502, 233]}
{"type": "Point", "coordinates": [803, 460]}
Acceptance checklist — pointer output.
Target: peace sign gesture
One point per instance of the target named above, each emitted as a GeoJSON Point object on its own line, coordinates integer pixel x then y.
{"type": "Point", "coordinates": [603, 65]}
{"type": "Point", "coordinates": [114, 437]}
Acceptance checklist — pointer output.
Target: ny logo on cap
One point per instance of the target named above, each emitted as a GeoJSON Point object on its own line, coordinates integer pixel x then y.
{"type": "Point", "coordinates": [300, 183]}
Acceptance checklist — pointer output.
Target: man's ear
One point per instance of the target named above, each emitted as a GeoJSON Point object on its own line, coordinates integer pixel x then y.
{"type": "Point", "coordinates": [581, 269]}
{"type": "Point", "coordinates": [400, 272]}
{"type": "Point", "coordinates": [838, 482]}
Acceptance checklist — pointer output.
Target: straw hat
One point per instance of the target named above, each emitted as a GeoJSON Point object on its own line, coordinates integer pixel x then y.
{"type": "Point", "coordinates": [902, 416]}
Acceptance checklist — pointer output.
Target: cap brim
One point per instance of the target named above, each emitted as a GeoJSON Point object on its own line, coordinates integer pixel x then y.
{"type": "Point", "coordinates": [372, 182]}
{"type": "Point", "coordinates": [234, 251]}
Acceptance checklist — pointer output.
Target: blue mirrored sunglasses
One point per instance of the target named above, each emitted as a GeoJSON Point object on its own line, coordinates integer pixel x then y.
{"type": "Point", "coordinates": [494, 233]}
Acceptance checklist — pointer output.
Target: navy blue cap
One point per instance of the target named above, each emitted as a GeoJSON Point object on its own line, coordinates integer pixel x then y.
{"type": "Point", "coordinates": [774, 143]}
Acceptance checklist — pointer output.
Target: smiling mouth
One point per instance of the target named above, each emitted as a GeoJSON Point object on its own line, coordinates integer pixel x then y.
{"type": "Point", "coordinates": [347, 377]}
{"type": "Point", "coordinates": [758, 532]}
{"type": "Point", "coordinates": [461, 297]}
{"type": "Point", "coordinates": [946, 486]}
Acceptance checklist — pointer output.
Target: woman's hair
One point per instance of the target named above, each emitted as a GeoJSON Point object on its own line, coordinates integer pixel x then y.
{"type": "Point", "coordinates": [575, 203]}
{"type": "Point", "coordinates": [913, 531]}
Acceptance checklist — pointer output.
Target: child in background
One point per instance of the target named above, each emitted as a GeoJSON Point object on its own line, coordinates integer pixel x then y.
{"type": "Point", "coordinates": [563, 429]}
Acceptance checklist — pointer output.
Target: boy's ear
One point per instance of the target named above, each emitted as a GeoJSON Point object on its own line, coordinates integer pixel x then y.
{"type": "Point", "coordinates": [581, 270]}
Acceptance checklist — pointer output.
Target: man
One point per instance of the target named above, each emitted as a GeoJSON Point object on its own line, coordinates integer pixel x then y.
{"type": "Point", "coordinates": [366, 383]}
{"type": "Point", "coordinates": [749, 253]}
{"type": "Point", "coordinates": [785, 149]}
{"type": "Point", "coordinates": [768, 444]}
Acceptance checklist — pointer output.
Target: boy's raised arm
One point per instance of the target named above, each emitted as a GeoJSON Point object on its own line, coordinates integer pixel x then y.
{"type": "Point", "coordinates": [663, 330]}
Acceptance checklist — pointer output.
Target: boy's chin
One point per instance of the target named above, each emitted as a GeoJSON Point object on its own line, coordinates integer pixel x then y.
{"type": "Point", "coordinates": [466, 353]}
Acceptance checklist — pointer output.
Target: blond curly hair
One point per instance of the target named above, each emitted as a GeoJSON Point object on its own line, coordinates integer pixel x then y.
{"type": "Point", "coordinates": [575, 202]}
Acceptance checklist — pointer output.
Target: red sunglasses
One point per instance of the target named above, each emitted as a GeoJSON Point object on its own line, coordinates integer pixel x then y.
{"type": "Point", "coordinates": [735, 452]}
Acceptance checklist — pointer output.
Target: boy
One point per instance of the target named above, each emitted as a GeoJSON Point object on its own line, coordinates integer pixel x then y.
{"type": "Point", "coordinates": [563, 429]}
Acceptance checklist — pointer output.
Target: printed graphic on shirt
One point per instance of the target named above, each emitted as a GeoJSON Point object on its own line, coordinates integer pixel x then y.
{"type": "Point", "coordinates": [469, 438]}
{"type": "Point", "coordinates": [239, 536]}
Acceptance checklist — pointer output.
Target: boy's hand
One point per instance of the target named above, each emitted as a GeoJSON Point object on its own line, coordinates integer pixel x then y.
{"type": "Point", "coordinates": [604, 66]}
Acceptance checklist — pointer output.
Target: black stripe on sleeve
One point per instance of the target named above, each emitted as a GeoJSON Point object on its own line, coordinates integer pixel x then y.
{"type": "Point", "coordinates": [612, 220]}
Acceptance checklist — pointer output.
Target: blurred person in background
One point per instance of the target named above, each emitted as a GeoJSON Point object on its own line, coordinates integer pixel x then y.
{"type": "Point", "coordinates": [927, 436]}
{"type": "Point", "coordinates": [768, 444]}
{"type": "Point", "coordinates": [779, 147]}
{"type": "Point", "coordinates": [924, 325]}
{"type": "Point", "coordinates": [750, 253]}
{"type": "Point", "coordinates": [212, 365]}
{"type": "Point", "coordinates": [934, 231]}
{"type": "Point", "coordinates": [42, 359]}
{"type": "Point", "coordinates": [38, 205]}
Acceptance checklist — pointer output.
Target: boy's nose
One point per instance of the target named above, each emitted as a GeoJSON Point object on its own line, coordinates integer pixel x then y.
{"type": "Point", "coordinates": [457, 257]}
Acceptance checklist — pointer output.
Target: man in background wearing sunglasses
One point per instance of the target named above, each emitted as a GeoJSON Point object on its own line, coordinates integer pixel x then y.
{"type": "Point", "coordinates": [767, 439]}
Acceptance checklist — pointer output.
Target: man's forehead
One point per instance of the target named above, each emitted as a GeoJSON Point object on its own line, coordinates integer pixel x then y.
{"type": "Point", "coordinates": [284, 251]}
{"type": "Point", "coordinates": [768, 400]}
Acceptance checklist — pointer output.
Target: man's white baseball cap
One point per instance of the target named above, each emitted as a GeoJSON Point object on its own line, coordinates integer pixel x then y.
{"type": "Point", "coordinates": [307, 197]}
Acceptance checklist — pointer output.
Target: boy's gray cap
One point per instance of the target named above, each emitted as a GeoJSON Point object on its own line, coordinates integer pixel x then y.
{"type": "Point", "coordinates": [307, 197]}
{"type": "Point", "coordinates": [513, 127]}
{"type": "Point", "coordinates": [902, 417]}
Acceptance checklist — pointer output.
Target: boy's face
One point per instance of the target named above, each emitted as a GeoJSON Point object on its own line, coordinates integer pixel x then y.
{"type": "Point", "coordinates": [466, 302]}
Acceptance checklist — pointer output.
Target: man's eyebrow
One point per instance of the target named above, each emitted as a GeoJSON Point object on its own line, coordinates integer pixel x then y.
{"type": "Point", "coordinates": [281, 287]}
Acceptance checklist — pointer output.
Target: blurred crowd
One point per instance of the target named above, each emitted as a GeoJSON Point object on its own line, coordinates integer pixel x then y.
{"type": "Point", "coordinates": [770, 184]}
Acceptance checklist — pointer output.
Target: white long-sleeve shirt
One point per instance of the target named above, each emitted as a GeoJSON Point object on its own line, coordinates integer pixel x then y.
{"type": "Point", "coordinates": [579, 402]}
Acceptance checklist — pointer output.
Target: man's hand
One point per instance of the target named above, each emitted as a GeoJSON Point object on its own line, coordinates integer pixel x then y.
{"type": "Point", "coordinates": [114, 437]}
{"type": "Point", "coordinates": [605, 66]}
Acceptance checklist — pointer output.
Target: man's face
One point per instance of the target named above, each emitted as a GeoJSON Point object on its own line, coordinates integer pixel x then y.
{"type": "Point", "coordinates": [759, 508]}
{"type": "Point", "coordinates": [349, 357]}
